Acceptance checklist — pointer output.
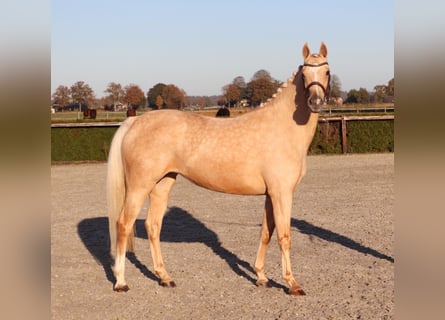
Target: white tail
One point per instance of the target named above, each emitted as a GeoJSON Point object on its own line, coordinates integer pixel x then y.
{"type": "Point", "coordinates": [116, 185]}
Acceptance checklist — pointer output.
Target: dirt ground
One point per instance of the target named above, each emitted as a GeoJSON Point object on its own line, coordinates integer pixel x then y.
{"type": "Point", "coordinates": [342, 249]}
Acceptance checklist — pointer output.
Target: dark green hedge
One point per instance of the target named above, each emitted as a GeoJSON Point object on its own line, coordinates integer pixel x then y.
{"type": "Point", "coordinates": [370, 136]}
{"type": "Point", "coordinates": [362, 137]}
{"type": "Point", "coordinates": [84, 144]}
{"type": "Point", "coordinates": [327, 138]}
{"type": "Point", "coordinates": [80, 144]}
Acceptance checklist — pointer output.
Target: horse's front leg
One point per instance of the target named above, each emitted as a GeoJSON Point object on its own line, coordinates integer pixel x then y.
{"type": "Point", "coordinates": [282, 206]}
{"type": "Point", "coordinates": [267, 229]}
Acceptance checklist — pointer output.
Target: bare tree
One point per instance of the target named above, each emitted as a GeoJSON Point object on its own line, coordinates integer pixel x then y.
{"type": "Point", "coordinates": [335, 86]}
{"type": "Point", "coordinates": [379, 93]}
{"type": "Point", "coordinates": [116, 93]}
{"type": "Point", "coordinates": [61, 97]}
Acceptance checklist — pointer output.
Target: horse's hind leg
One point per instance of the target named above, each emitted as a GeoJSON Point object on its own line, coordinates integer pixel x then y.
{"type": "Point", "coordinates": [133, 203]}
{"type": "Point", "coordinates": [266, 234]}
{"type": "Point", "coordinates": [153, 224]}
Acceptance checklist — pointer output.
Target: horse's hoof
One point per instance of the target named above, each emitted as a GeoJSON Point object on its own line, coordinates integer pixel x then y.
{"type": "Point", "coordinates": [297, 292]}
{"type": "Point", "coordinates": [168, 284]}
{"type": "Point", "coordinates": [265, 284]}
{"type": "Point", "coordinates": [124, 288]}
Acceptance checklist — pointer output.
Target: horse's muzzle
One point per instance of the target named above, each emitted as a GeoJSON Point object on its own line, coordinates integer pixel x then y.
{"type": "Point", "coordinates": [315, 104]}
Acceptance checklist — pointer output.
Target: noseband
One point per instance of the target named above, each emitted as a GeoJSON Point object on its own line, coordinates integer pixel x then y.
{"type": "Point", "coordinates": [326, 90]}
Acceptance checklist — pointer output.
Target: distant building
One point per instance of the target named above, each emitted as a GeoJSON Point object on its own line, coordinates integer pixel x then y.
{"type": "Point", "coordinates": [243, 103]}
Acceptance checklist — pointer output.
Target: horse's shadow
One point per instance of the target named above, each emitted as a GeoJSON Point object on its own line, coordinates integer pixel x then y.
{"type": "Point", "coordinates": [325, 234]}
{"type": "Point", "coordinates": [179, 226]}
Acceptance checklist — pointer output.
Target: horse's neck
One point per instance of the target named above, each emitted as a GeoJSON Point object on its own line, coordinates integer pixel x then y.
{"type": "Point", "coordinates": [310, 128]}
{"type": "Point", "coordinates": [289, 109]}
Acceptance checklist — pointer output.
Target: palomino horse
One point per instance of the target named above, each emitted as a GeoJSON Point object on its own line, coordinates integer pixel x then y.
{"type": "Point", "coordinates": [260, 152]}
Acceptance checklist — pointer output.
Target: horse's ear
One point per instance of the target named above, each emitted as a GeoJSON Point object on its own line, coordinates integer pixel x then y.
{"type": "Point", "coordinates": [306, 51]}
{"type": "Point", "coordinates": [323, 50]}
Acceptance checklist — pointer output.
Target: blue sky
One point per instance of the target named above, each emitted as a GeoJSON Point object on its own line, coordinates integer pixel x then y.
{"type": "Point", "coordinates": [200, 46]}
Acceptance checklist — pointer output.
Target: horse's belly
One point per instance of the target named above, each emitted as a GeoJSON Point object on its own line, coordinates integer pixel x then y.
{"type": "Point", "coordinates": [227, 182]}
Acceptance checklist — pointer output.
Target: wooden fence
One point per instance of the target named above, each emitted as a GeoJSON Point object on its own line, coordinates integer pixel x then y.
{"type": "Point", "coordinates": [118, 115]}
{"type": "Point", "coordinates": [344, 127]}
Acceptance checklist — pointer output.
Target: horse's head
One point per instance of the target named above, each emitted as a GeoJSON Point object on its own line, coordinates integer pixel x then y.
{"type": "Point", "coordinates": [316, 77]}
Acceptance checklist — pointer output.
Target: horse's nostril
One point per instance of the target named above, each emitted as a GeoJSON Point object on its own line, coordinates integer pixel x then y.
{"type": "Point", "coordinates": [315, 100]}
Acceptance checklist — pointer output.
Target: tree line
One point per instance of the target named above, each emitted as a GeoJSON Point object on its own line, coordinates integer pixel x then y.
{"type": "Point", "coordinates": [381, 93]}
{"type": "Point", "coordinates": [80, 96]}
{"type": "Point", "coordinates": [259, 89]}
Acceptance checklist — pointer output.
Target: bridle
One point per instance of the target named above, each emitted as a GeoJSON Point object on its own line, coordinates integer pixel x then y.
{"type": "Point", "coordinates": [327, 89]}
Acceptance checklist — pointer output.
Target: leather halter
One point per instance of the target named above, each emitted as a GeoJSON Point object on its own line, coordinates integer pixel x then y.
{"type": "Point", "coordinates": [315, 65]}
{"type": "Point", "coordinates": [326, 90]}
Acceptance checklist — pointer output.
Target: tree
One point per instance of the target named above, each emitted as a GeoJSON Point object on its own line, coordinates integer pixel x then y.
{"type": "Point", "coordinates": [262, 74]}
{"type": "Point", "coordinates": [239, 82]}
{"type": "Point", "coordinates": [260, 90]}
{"type": "Point", "coordinates": [221, 101]}
{"type": "Point", "coordinates": [390, 88]}
{"type": "Point", "coordinates": [205, 101]}
{"type": "Point", "coordinates": [242, 86]}
{"type": "Point", "coordinates": [81, 93]}
{"type": "Point", "coordinates": [159, 102]}
{"type": "Point", "coordinates": [61, 97]}
{"type": "Point", "coordinates": [379, 93]}
{"type": "Point", "coordinates": [116, 93]}
{"type": "Point", "coordinates": [153, 94]}
{"type": "Point", "coordinates": [358, 96]}
{"type": "Point", "coordinates": [232, 93]}
{"type": "Point", "coordinates": [200, 101]}
{"type": "Point", "coordinates": [261, 87]}
{"type": "Point", "coordinates": [134, 96]}
{"type": "Point", "coordinates": [363, 96]}
{"type": "Point", "coordinates": [107, 103]}
{"type": "Point", "coordinates": [174, 98]}
{"type": "Point", "coordinates": [352, 96]}
{"type": "Point", "coordinates": [335, 86]}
